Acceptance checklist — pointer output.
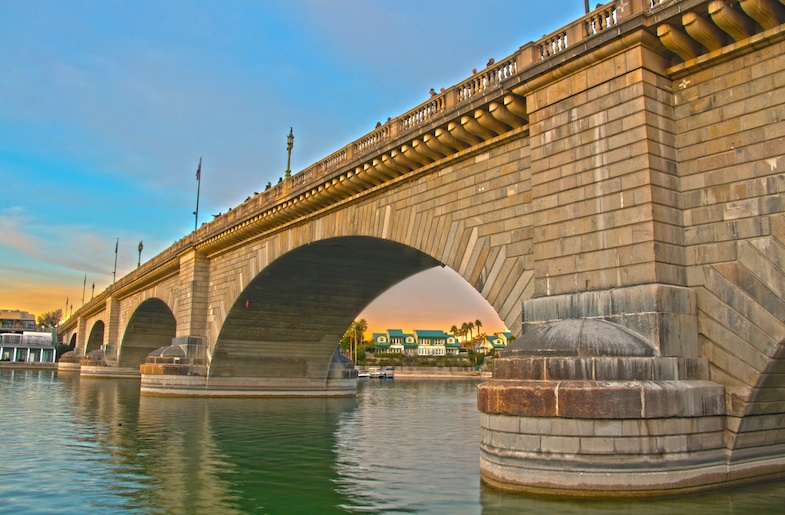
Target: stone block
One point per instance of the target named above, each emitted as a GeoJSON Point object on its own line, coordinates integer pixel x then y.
{"type": "Point", "coordinates": [559, 368]}
{"type": "Point", "coordinates": [665, 369]}
{"type": "Point", "coordinates": [486, 435]}
{"type": "Point", "coordinates": [560, 444]}
{"type": "Point", "coordinates": [608, 427]}
{"type": "Point", "coordinates": [505, 441]}
{"type": "Point", "coordinates": [503, 423]}
{"type": "Point", "coordinates": [590, 445]}
{"type": "Point", "coordinates": [627, 446]}
{"type": "Point", "coordinates": [705, 441]}
{"type": "Point", "coordinates": [674, 443]}
{"type": "Point", "coordinates": [692, 369]}
{"type": "Point", "coordinates": [519, 369]}
{"type": "Point", "coordinates": [571, 427]}
{"type": "Point", "coordinates": [635, 427]}
{"type": "Point", "coordinates": [682, 399]}
{"type": "Point", "coordinates": [527, 443]}
{"type": "Point", "coordinates": [622, 369]}
{"type": "Point", "coordinates": [581, 399]}
{"type": "Point", "coordinates": [517, 398]}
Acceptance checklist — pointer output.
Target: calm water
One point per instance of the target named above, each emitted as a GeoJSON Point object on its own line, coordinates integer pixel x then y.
{"type": "Point", "coordinates": [72, 445]}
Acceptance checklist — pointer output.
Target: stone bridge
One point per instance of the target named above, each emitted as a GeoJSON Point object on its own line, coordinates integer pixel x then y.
{"type": "Point", "coordinates": [627, 168]}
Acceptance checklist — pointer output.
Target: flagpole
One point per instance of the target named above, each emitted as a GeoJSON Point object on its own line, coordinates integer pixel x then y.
{"type": "Point", "coordinates": [198, 188]}
{"type": "Point", "coordinates": [114, 272]}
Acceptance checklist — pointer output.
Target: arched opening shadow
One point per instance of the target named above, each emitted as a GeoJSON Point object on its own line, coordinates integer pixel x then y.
{"type": "Point", "coordinates": [291, 316]}
{"type": "Point", "coordinates": [96, 338]}
{"type": "Point", "coordinates": [152, 325]}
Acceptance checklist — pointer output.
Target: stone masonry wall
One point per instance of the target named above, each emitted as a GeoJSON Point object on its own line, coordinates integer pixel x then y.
{"type": "Point", "coordinates": [604, 190]}
{"type": "Point", "coordinates": [471, 212]}
{"type": "Point", "coordinates": [730, 121]}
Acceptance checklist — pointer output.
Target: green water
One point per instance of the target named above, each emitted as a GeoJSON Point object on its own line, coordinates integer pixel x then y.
{"type": "Point", "coordinates": [72, 445]}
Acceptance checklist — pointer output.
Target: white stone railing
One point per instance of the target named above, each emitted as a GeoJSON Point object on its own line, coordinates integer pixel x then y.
{"type": "Point", "coordinates": [552, 45]}
{"type": "Point", "coordinates": [488, 78]}
{"type": "Point", "coordinates": [422, 113]}
{"type": "Point", "coordinates": [334, 161]}
{"type": "Point", "coordinates": [600, 19]}
{"type": "Point", "coordinates": [374, 139]}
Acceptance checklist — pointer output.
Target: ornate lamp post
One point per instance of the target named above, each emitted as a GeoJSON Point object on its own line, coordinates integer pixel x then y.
{"type": "Point", "coordinates": [139, 248]}
{"type": "Point", "coordinates": [289, 146]}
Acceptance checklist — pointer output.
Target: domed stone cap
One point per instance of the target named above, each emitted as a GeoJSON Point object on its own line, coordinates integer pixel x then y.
{"type": "Point", "coordinates": [580, 338]}
{"type": "Point", "coordinates": [170, 351]}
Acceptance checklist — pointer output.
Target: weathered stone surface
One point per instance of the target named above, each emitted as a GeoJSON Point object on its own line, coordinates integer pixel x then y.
{"type": "Point", "coordinates": [585, 399]}
{"type": "Point", "coordinates": [580, 337]}
{"type": "Point", "coordinates": [517, 398]}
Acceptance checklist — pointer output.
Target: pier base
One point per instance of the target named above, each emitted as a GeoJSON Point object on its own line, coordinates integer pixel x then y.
{"type": "Point", "coordinates": [169, 371]}
{"type": "Point", "coordinates": [587, 408]}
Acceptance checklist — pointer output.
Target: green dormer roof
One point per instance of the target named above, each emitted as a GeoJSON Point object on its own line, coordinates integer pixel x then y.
{"type": "Point", "coordinates": [430, 334]}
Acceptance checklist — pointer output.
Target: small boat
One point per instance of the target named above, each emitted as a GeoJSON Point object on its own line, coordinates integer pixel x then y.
{"type": "Point", "coordinates": [378, 373]}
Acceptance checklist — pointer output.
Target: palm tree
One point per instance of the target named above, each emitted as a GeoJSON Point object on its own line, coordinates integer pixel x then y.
{"type": "Point", "coordinates": [470, 325]}
{"type": "Point", "coordinates": [454, 330]}
{"type": "Point", "coordinates": [464, 330]}
{"type": "Point", "coordinates": [359, 326]}
{"type": "Point", "coordinates": [478, 324]}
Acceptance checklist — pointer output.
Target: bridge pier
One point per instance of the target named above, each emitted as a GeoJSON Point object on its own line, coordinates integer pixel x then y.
{"type": "Point", "coordinates": [587, 407]}
{"type": "Point", "coordinates": [180, 370]}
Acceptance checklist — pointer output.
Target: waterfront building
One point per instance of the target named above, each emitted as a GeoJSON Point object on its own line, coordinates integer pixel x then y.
{"type": "Point", "coordinates": [20, 340]}
{"type": "Point", "coordinates": [16, 321]}
{"type": "Point", "coordinates": [421, 343]}
{"type": "Point", "coordinates": [398, 340]}
{"type": "Point", "coordinates": [505, 337]}
{"type": "Point", "coordinates": [433, 343]}
{"type": "Point", "coordinates": [493, 343]}
{"type": "Point", "coordinates": [381, 342]}
{"type": "Point", "coordinates": [27, 347]}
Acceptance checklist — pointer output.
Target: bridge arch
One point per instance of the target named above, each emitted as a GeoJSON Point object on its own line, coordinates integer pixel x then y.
{"type": "Point", "coordinates": [151, 326]}
{"type": "Point", "coordinates": [96, 338]}
{"type": "Point", "coordinates": [289, 319]}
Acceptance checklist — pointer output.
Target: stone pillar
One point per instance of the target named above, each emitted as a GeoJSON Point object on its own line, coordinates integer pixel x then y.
{"type": "Point", "coordinates": [81, 337]}
{"type": "Point", "coordinates": [192, 302]}
{"type": "Point", "coordinates": [112, 330]}
{"type": "Point", "coordinates": [605, 190]}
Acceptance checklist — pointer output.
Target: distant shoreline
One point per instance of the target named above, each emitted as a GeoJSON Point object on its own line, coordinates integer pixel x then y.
{"type": "Point", "coordinates": [436, 373]}
{"type": "Point", "coordinates": [24, 365]}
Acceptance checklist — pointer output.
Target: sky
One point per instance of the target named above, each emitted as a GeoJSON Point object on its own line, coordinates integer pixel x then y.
{"type": "Point", "coordinates": [106, 107]}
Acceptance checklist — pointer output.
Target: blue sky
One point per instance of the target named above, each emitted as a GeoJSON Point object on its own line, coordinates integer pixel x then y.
{"type": "Point", "coordinates": [106, 107]}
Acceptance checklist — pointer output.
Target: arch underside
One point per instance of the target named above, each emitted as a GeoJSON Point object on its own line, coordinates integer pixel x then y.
{"type": "Point", "coordinates": [152, 326]}
{"type": "Point", "coordinates": [289, 319]}
{"type": "Point", "coordinates": [96, 339]}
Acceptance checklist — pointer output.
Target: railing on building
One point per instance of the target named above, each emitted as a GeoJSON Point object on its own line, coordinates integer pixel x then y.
{"type": "Point", "coordinates": [33, 340]}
